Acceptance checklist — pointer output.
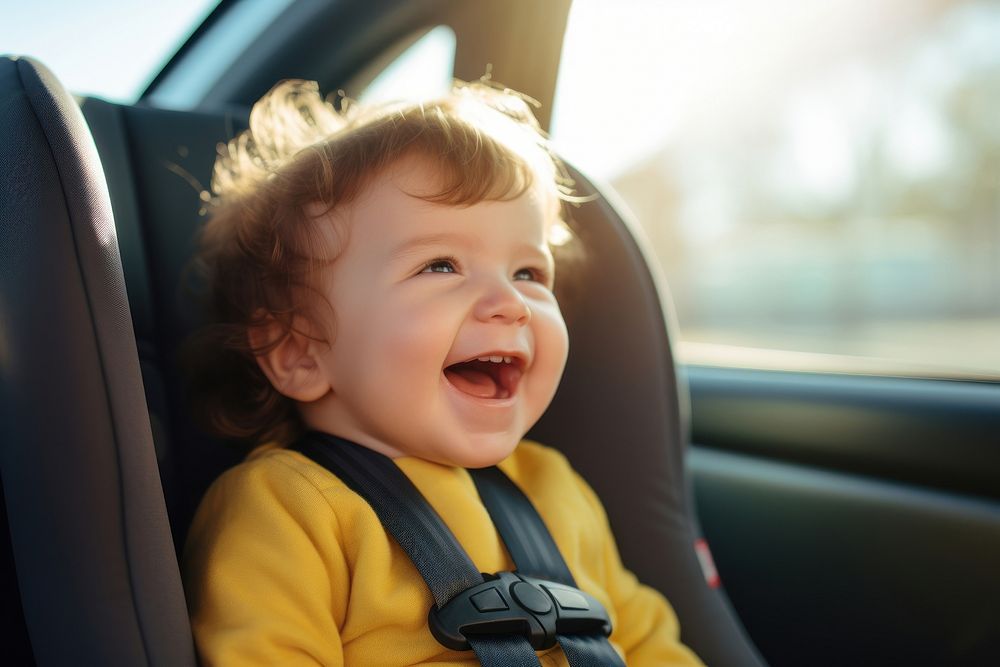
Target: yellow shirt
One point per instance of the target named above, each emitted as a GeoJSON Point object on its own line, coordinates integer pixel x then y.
{"type": "Point", "coordinates": [285, 565]}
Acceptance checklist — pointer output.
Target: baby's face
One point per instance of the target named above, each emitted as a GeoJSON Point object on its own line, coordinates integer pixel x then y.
{"type": "Point", "coordinates": [447, 342]}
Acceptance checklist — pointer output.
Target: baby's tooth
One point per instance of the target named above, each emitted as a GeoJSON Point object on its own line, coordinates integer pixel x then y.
{"type": "Point", "coordinates": [506, 360]}
{"type": "Point", "coordinates": [496, 360]}
{"type": "Point", "coordinates": [485, 358]}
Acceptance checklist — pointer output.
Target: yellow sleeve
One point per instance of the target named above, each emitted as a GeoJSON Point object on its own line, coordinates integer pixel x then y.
{"type": "Point", "coordinates": [645, 625]}
{"type": "Point", "coordinates": [265, 573]}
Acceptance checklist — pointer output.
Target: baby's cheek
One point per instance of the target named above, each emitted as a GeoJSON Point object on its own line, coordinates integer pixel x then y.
{"type": "Point", "coordinates": [552, 336]}
{"type": "Point", "coordinates": [415, 346]}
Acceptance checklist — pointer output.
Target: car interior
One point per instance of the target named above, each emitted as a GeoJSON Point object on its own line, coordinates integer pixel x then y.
{"type": "Point", "coordinates": [852, 519]}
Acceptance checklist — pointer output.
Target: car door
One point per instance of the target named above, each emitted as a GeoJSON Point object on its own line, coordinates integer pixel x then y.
{"type": "Point", "coordinates": [854, 518]}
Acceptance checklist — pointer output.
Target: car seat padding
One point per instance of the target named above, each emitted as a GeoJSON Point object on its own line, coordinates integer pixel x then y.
{"type": "Point", "coordinates": [95, 563]}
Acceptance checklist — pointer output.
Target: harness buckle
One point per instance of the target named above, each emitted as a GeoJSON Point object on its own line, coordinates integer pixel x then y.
{"type": "Point", "coordinates": [508, 603]}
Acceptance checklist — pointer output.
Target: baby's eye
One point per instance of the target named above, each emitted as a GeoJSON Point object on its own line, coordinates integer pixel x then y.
{"type": "Point", "coordinates": [440, 265]}
{"type": "Point", "coordinates": [536, 275]}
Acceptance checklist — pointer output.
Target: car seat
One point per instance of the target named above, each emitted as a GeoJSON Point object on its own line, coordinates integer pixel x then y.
{"type": "Point", "coordinates": [93, 416]}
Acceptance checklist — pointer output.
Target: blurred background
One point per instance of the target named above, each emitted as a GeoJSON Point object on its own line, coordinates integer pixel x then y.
{"type": "Point", "coordinates": [819, 178]}
{"type": "Point", "coordinates": [820, 181]}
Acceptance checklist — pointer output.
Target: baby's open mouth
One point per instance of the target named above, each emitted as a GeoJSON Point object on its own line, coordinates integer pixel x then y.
{"type": "Point", "coordinates": [486, 377]}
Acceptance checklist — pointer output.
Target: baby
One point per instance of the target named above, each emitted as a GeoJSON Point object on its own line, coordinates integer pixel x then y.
{"type": "Point", "coordinates": [384, 275]}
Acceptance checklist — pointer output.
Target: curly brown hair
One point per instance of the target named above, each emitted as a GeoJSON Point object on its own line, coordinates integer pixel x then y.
{"type": "Point", "coordinates": [299, 159]}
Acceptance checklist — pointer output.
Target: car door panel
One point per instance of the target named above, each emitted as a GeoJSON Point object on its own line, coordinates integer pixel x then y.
{"type": "Point", "coordinates": [853, 520]}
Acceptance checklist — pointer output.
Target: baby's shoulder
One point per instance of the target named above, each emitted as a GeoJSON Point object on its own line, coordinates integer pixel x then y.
{"type": "Point", "coordinates": [275, 476]}
{"type": "Point", "coordinates": [531, 456]}
{"type": "Point", "coordinates": [539, 468]}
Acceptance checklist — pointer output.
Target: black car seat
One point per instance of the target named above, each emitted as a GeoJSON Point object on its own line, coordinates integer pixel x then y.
{"type": "Point", "coordinates": [93, 415]}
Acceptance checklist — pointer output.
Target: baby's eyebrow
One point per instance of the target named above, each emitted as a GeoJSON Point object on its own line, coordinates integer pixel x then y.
{"type": "Point", "coordinates": [417, 244]}
{"type": "Point", "coordinates": [466, 242]}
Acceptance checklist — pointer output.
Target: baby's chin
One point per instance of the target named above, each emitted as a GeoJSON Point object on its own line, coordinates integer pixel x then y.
{"type": "Point", "coordinates": [478, 451]}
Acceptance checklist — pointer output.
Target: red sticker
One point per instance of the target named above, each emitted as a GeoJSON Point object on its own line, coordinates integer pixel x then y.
{"type": "Point", "coordinates": [707, 564]}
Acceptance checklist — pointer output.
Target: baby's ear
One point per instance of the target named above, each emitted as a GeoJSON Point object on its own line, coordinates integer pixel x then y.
{"type": "Point", "coordinates": [292, 365]}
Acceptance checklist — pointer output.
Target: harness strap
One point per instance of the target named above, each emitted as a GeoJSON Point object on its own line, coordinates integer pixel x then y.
{"type": "Point", "coordinates": [528, 541]}
{"type": "Point", "coordinates": [406, 515]}
{"type": "Point", "coordinates": [403, 511]}
{"type": "Point", "coordinates": [452, 576]}
{"type": "Point", "coordinates": [590, 651]}
{"type": "Point", "coordinates": [536, 554]}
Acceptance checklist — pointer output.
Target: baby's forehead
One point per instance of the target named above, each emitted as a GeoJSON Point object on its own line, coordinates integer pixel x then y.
{"type": "Point", "coordinates": [425, 178]}
{"type": "Point", "coordinates": [419, 183]}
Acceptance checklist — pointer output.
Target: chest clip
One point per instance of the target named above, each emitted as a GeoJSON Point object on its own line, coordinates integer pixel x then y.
{"type": "Point", "coordinates": [509, 603]}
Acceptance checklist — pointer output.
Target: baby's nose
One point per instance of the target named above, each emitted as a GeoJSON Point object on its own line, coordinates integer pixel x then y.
{"type": "Point", "coordinates": [503, 303]}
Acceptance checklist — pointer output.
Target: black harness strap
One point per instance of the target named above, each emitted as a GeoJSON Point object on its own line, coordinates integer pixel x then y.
{"type": "Point", "coordinates": [403, 512]}
{"type": "Point", "coordinates": [406, 515]}
{"type": "Point", "coordinates": [535, 553]}
{"type": "Point", "coordinates": [505, 606]}
{"type": "Point", "coordinates": [528, 541]}
{"type": "Point", "coordinates": [590, 651]}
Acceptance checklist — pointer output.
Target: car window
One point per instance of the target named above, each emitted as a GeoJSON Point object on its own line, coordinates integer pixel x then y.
{"type": "Point", "coordinates": [420, 66]}
{"type": "Point", "coordinates": [108, 48]}
{"type": "Point", "coordinates": [816, 178]}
